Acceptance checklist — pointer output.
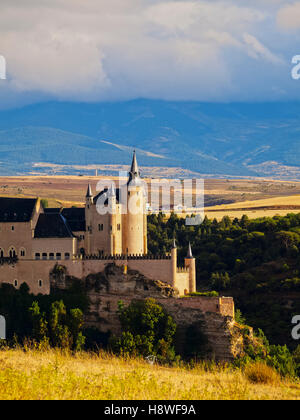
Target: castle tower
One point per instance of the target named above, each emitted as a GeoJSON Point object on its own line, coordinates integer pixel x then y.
{"type": "Point", "coordinates": [190, 262]}
{"type": "Point", "coordinates": [88, 218]}
{"type": "Point", "coordinates": [135, 223]}
{"type": "Point", "coordinates": [174, 262]}
{"type": "Point", "coordinates": [112, 200]}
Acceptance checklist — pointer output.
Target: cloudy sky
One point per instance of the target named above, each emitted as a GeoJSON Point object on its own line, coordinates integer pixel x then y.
{"type": "Point", "coordinates": [92, 50]}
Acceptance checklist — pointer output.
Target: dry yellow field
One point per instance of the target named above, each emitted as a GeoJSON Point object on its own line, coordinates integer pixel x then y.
{"type": "Point", "coordinates": [268, 207]}
{"type": "Point", "coordinates": [256, 198]}
{"type": "Point", "coordinates": [52, 375]}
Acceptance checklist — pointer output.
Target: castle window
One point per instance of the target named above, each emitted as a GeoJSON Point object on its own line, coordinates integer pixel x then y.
{"type": "Point", "coordinates": [100, 227]}
{"type": "Point", "coordinates": [51, 256]}
{"type": "Point", "coordinates": [44, 255]}
{"type": "Point", "coordinates": [37, 256]}
{"type": "Point", "coordinates": [1, 253]}
{"type": "Point", "coordinates": [22, 252]}
{"type": "Point", "coordinates": [67, 256]}
{"type": "Point", "coordinates": [12, 228]}
{"type": "Point", "coordinates": [12, 253]}
{"type": "Point", "coordinates": [118, 226]}
{"type": "Point", "coordinates": [40, 283]}
{"type": "Point", "coordinates": [16, 283]}
{"type": "Point", "coordinates": [58, 256]}
{"type": "Point", "coordinates": [110, 227]}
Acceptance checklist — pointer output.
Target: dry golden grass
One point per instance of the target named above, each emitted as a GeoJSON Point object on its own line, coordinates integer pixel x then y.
{"type": "Point", "coordinates": [260, 373]}
{"type": "Point", "coordinates": [53, 375]}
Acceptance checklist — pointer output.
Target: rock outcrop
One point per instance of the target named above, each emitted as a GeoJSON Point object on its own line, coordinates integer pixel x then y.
{"type": "Point", "coordinates": [209, 318]}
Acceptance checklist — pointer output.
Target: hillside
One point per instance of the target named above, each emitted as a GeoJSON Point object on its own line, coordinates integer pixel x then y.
{"type": "Point", "coordinates": [53, 375]}
{"type": "Point", "coordinates": [232, 139]}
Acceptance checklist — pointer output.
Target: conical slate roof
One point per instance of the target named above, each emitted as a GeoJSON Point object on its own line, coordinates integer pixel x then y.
{"type": "Point", "coordinates": [134, 166]}
{"type": "Point", "coordinates": [134, 170]}
{"type": "Point", "coordinates": [190, 254]}
{"type": "Point", "coordinates": [89, 191]}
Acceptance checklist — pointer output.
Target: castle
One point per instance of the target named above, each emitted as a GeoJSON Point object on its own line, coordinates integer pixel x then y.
{"type": "Point", "coordinates": [84, 240]}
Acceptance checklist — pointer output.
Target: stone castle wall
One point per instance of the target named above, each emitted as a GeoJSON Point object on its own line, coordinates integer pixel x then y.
{"type": "Point", "coordinates": [35, 271]}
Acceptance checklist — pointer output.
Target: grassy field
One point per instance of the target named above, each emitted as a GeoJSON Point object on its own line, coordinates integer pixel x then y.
{"type": "Point", "coordinates": [54, 375]}
{"type": "Point", "coordinates": [256, 198]}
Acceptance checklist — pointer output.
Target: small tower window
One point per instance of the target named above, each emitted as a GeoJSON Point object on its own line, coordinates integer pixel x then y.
{"type": "Point", "coordinates": [16, 283]}
{"type": "Point", "coordinates": [12, 228]}
{"type": "Point", "coordinates": [22, 252]}
{"type": "Point", "coordinates": [40, 283]}
{"type": "Point", "coordinates": [101, 227]}
{"type": "Point", "coordinates": [118, 226]}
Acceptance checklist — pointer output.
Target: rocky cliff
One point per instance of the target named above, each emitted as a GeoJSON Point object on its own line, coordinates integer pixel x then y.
{"type": "Point", "coordinates": [197, 318]}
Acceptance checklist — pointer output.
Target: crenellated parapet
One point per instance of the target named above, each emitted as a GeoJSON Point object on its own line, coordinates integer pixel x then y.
{"type": "Point", "coordinates": [124, 257]}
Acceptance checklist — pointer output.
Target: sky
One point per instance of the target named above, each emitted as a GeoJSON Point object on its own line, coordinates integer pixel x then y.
{"type": "Point", "coordinates": [109, 50]}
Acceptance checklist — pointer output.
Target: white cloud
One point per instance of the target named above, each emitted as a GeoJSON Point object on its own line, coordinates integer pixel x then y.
{"type": "Point", "coordinates": [257, 50]}
{"type": "Point", "coordinates": [288, 17]}
{"type": "Point", "coordinates": [116, 49]}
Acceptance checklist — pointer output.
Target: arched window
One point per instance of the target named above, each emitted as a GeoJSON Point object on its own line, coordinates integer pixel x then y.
{"type": "Point", "coordinates": [58, 256]}
{"type": "Point", "coordinates": [1, 253]}
{"type": "Point", "coordinates": [22, 252]}
{"type": "Point", "coordinates": [12, 252]}
{"type": "Point", "coordinates": [67, 255]}
{"type": "Point", "coordinates": [16, 283]}
{"type": "Point", "coordinates": [44, 255]}
{"type": "Point", "coordinates": [37, 256]}
{"type": "Point", "coordinates": [51, 256]}
{"type": "Point", "coordinates": [40, 282]}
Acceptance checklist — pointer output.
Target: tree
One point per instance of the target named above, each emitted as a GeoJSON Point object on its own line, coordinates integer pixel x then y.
{"type": "Point", "coordinates": [60, 329]}
{"type": "Point", "coordinates": [39, 323]}
{"type": "Point", "coordinates": [44, 203]}
{"type": "Point", "coordinates": [146, 330]}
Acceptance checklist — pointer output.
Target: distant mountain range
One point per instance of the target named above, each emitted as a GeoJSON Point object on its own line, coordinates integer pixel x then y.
{"type": "Point", "coordinates": [236, 139]}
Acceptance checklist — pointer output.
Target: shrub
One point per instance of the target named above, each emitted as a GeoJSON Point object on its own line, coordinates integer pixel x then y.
{"type": "Point", "coordinates": [212, 293]}
{"type": "Point", "coordinates": [239, 318]}
{"type": "Point", "coordinates": [260, 373]}
{"type": "Point", "coordinates": [146, 331]}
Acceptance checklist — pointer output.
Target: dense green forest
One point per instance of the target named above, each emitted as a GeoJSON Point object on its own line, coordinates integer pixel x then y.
{"type": "Point", "coordinates": [256, 261]}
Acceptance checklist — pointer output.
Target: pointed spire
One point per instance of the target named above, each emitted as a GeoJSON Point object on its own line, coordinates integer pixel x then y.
{"type": "Point", "coordinates": [89, 192]}
{"type": "Point", "coordinates": [134, 170]}
{"type": "Point", "coordinates": [134, 166]}
{"type": "Point", "coordinates": [174, 243]}
{"type": "Point", "coordinates": [112, 190]}
{"type": "Point", "coordinates": [190, 254]}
